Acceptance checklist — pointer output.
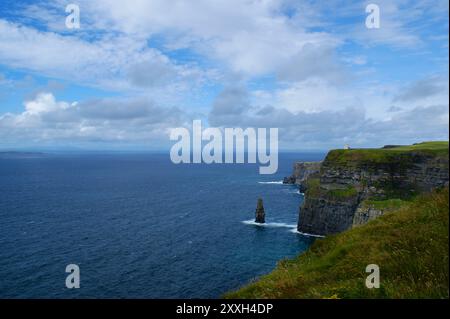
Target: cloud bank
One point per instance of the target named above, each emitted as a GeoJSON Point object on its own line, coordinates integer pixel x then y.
{"type": "Point", "coordinates": [311, 69]}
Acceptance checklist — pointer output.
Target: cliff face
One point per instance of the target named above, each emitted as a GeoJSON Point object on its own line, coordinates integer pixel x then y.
{"type": "Point", "coordinates": [355, 186]}
{"type": "Point", "coordinates": [301, 172]}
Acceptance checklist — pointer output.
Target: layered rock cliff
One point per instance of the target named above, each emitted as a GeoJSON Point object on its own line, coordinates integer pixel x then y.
{"type": "Point", "coordinates": [301, 172]}
{"type": "Point", "coordinates": [351, 187]}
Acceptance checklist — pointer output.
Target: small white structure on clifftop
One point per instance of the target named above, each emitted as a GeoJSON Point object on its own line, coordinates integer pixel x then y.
{"type": "Point", "coordinates": [346, 147]}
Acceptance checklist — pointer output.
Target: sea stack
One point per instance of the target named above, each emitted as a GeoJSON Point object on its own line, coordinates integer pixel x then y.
{"type": "Point", "coordinates": [260, 215]}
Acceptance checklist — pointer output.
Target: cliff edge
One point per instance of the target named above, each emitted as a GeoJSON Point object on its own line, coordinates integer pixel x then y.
{"type": "Point", "coordinates": [354, 186]}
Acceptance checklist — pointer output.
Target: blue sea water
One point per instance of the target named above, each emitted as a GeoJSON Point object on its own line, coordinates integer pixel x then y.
{"type": "Point", "coordinates": [140, 226]}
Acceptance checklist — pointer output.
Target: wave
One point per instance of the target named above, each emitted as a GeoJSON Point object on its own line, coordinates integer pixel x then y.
{"type": "Point", "coordinates": [292, 227]}
{"type": "Point", "coordinates": [295, 231]}
{"type": "Point", "coordinates": [282, 225]}
{"type": "Point", "coordinates": [274, 182]}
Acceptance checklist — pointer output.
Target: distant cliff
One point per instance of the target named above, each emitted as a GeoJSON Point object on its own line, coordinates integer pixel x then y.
{"type": "Point", "coordinates": [301, 172]}
{"type": "Point", "coordinates": [16, 155]}
{"type": "Point", "coordinates": [351, 187]}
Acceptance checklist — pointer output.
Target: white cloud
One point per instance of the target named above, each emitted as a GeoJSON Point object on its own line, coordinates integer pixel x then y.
{"type": "Point", "coordinates": [337, 118]}
{"type": "Point", "coordinates": [249, 37]}
{"type": "Point", "coordinates": [315, 95]}
{"type": "Point", "coordinates": [44, 102]}
{"type": "Point", "coordinates": [428, 89]}
{"type": "Point", "coordinates": [104, 121]}
{"type": "Point", "coordinates": [252, 38]}
{"type": "Point", "coordinates": [108, 63]}
{"type": "Point", "coordinates": [312, 93]}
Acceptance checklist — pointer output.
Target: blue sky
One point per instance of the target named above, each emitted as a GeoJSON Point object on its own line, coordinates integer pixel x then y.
{"type": "Point", "coordinates": [133, 71]}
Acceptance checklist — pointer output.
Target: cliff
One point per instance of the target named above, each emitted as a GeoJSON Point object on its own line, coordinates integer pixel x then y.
{"type": "Point", "coordinates": [388, 207]}
{"type": "Point", "coordinates": [301, 172]}
{"type": "Point", "coordinates": [352, 187]}
{"type": "Point", "coordinates": [409, 243]}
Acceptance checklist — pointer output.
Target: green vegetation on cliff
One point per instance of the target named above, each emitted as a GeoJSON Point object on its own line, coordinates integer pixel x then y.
{"type": "Point", "coordinates": [410, 245]}
{"type": "Point", "coordinates": [388, 204]}
{"type": "Point", "coordinates": [436, 147]}
{"type": "Point", "coordinates": [401, 155]}
{"type": "Point", "coordinates": [342, 193]}
{"type": "Point", "coordinates": [313, 190]}
{"type": "Point", "coordinates": [313, 186]}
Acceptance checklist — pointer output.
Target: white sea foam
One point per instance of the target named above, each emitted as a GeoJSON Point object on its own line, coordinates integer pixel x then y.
{"type": "Point", "coordinates": [283, 225]}
{"type": "Point", "coordinates": [294, 191]}
{"type": "Point", "coordinates": [274, 182]}
{"type": "Point", "coordinates": [292, 227]}
{"type": "Point", "coordinates": [305, 234]}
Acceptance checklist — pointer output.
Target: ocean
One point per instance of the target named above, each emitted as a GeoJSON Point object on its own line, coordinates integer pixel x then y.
{"type": "Point", "coordinates": [139, 226]}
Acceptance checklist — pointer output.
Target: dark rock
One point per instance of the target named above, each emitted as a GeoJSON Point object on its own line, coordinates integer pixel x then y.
{"type": "Point", "coordinates": [301, 172]}
{"type": "Point", "coordinates": [302, 188]}
{"type": "Point", "coordinates": [260, 216]}
{"type": "Point", "coordinates": [289, 180]}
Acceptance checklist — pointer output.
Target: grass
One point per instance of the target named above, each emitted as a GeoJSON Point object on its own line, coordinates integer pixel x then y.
{"type": "Point", "coordinates": [410, 245]}
{"type": "Point", "coordinates": [388, 204]}
{"type": "Point", "coordinates": [312, 187]}
{"type": "Point", "coordinates": [342, 193]}
{"type": "Point", "coordinates": [401, 155]}
{"type": "Point", "coordinates": [436, 146]}
{"type": "Point", "coordinates": [313, 190]}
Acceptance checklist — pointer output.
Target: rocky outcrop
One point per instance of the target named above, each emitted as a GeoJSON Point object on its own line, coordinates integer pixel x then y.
{"type": "Point", "coordinates": [301, 172]}
{"type": "Point", "coordinates": [260, 216]}
{"type": "Point", "coordinates": [356, 186]}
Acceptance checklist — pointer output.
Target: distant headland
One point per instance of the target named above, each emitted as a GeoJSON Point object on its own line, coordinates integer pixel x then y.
{"type": "Point", "coordinates": [18, 154]}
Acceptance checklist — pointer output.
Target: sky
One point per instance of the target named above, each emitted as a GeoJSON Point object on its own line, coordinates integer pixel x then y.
{"type": "Point", "coordinates": [136, 69]}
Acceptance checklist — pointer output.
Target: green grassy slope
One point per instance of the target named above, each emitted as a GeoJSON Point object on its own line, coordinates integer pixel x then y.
{"type": "Point", "coordinates": [410, 245]}
{"type": "Point", "coordinates": [387, 155]}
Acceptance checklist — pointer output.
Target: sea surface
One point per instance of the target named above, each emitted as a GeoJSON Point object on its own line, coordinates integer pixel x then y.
{"type": "Point", "coordinates": [139, 226]}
